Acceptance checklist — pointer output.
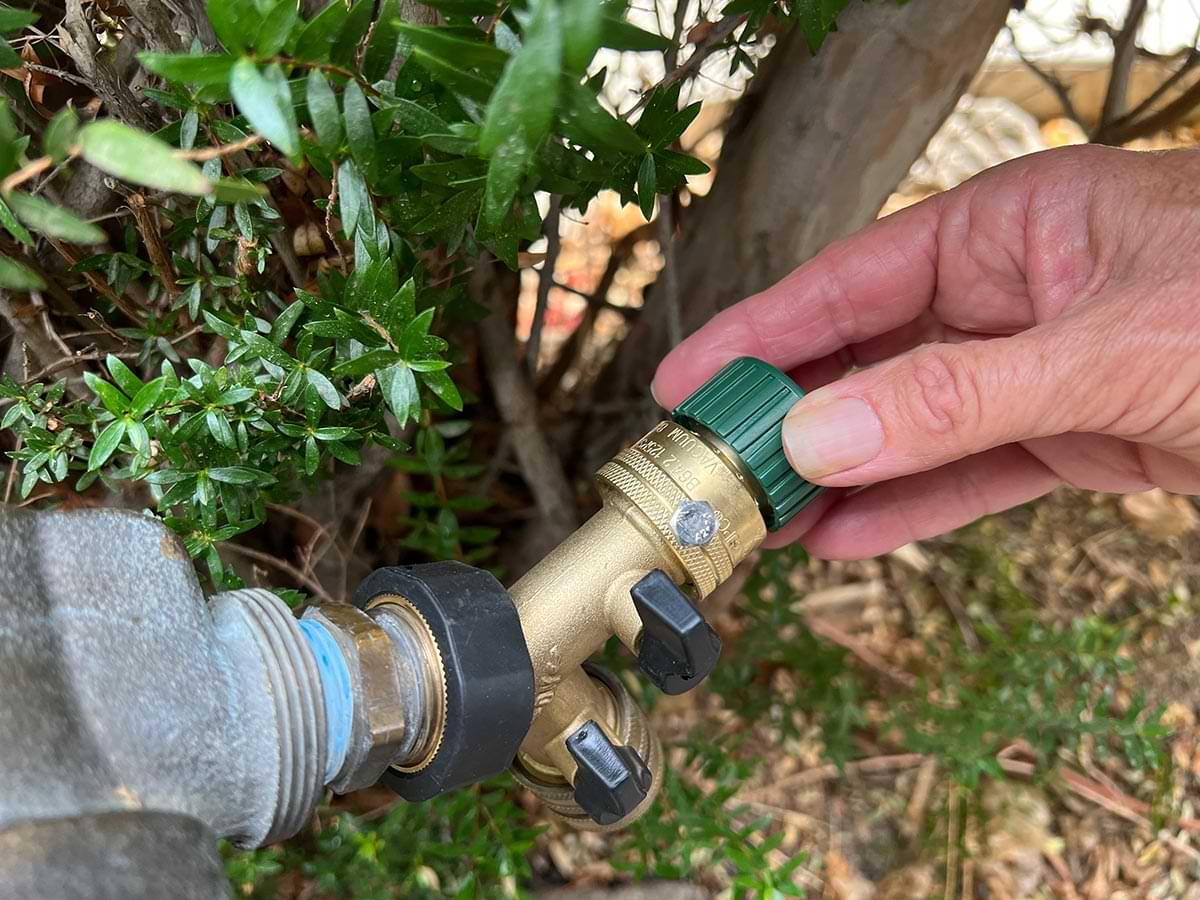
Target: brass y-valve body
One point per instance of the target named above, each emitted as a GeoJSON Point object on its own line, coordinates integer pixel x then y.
{"type": "Point", "coordinates": [682, 507]}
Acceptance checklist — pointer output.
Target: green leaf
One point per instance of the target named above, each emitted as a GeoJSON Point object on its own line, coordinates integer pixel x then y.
{"type": "Point", "coordinates": [312, 456]}
{"type": "Point", "coordinates": [358, 19]}
{"type": "Point", "coordinates": [106, 444]}
{"type": "Point", "coordinates": [235, 22]}
{"type": "Point", "coordinates": [137, 157]}
{"type": "Point", "coordinates": [334, 434]}
{"type": "Point", "coordinates": [145, 398]}
{"type": "Point", "coordinates": [618, 34]}
{"type": "Point", "coordinates": [266, 101]}
{"type": "Point", "coordinates": [49, 219]}
{"type": "Point", "coordinates": [124, 376]}
{"type": "Point", "coordinates": [19, 277]}
{"type": "Point", "coordinates": [456, 79]}
{"type": "Point", "coordinates": [15, 19]}
{"type": "Point", "coordinates": [646, 186]}
{"type": "Point", "coordinates": [239, 475]}
{"type": "Point", "coordinates": [586, 122]}
{"type": "Point", "coordinates": [264, 349]}
{"type": "Point", "coordinates": [680, 163]}
{"type": "Point", "coordinates": [366, 363]}
{"type": "Point", "coordinates": [12, 226]}
{"type": "Point", "coordinates": [816, 18]}
{"type": "Point", "coordinates": [441, 384]}
{"type": "Point", "coordinates": [324, 112]}
{"type": "Point", "coordinates": [218, 427]}
{"type": "Point", "coordinates": [114, 401]}
{"type": "Point", "coordinates": [60, 134]}
{"type": "Point", "coordinates": [582, 29]}
{"type": "Point", "coordinates": [201, 69]}
{"type": "Point", "coordinates": [505, 171]}
{"type": "Point", "coordinates": [238, 190]}
{"type": "Point", "coordinates": [415, 119]}
{"type": "Point", "coordinates": [324, 388]}
{"type": "Point", "coordinates": [527, 94]}
{"type": "Point", "coordinates": [384, 41]}
{"type": "Point", "coordinates": [454, 211]}
{"type": "Point", "coordinates": [316, 40]}
{"type": "Point", "coordinates": [360, 132]}
{"type": "Point", "coordinates": [471, 53]}
{"type": "Point", "coordinates": [399, 387]}
{"type": "Point", "coordinates": [277, 27]}
{"type": "Point", "coordinates": [354, 201]}
{"type": "Point", "coordinates": [285, 321]}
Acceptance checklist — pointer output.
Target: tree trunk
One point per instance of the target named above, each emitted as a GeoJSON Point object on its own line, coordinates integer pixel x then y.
{"type": "Point", "coordinates": [813, 151]}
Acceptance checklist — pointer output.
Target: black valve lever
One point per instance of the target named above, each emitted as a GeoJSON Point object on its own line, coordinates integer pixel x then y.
{"type": "Point", "coordinates": [610, 781]}
{"type": "Point", "coordinates": [678, 649]}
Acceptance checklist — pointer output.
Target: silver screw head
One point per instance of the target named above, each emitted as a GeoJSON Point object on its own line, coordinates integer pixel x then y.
{"type": "Point", "coordinates": [694, 523]}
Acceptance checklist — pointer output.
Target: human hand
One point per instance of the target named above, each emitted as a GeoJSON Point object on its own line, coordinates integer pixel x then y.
{"type": "Point", "coordinates": [1037, 325]}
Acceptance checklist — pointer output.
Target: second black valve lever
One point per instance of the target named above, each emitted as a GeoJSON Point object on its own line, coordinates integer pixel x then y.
{"type": "Point", "coordinates": [610, 781]}
{"type": "Point", "coordinates": [678, 648]}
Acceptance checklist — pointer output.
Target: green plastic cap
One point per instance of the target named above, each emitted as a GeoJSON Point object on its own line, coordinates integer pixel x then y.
{"type": "Point", "coordinates": [743, 406]}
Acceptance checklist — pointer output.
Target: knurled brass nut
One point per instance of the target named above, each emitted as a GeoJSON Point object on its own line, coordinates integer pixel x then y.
{"type": "Point", "coordinates": [379, 723]}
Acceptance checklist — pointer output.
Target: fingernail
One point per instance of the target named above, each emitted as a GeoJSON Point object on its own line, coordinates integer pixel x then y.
{"type": "Point", "coordinates": [654, 393]}
{"type": "Point", "coordinates": [822, 437]}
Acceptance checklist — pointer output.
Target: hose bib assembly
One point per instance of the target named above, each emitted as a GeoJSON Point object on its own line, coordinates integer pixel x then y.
{"type": "Point", "coordinates": [171, 716]}
{"type": "Point", "coordinates": [682, 507]}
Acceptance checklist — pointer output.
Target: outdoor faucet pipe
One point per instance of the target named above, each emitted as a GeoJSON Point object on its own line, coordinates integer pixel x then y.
{"type": "Point", "coordinates": [138, 721]}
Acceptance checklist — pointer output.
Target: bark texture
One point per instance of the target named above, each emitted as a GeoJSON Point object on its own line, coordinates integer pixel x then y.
{"type": "Point", "coordinates": [814, 150]}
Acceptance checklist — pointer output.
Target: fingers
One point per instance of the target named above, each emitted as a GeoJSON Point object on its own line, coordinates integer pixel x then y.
{"type": "Point", "coordinates": [939, 403]}
{"type": "Point", "coordinates": [866, 285]}
{"type": "Point", "coordinates": [885, 516]}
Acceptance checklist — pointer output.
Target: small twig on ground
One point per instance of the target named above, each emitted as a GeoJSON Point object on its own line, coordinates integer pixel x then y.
{"type": "Point", "coordinates": [865, 655]}
{"type": "Point", "coordinates": [869, 766]}
{"type": "Point", "coordinates": [283, 566]}
{"type": "Point", "coordinates": [545, 282]}
{"type": "Point", "coordinates": [951, 842]}
{"type": "Point", "coordinates": [918, 803]}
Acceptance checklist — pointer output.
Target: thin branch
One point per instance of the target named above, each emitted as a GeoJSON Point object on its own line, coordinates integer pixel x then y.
{"type": "Point", "coordinates": [23, 174]}
{"type": "Point", "coordinates": [514, 396]}
{"type": "Point", "coordinates": [283, 566]}
{"type": "Point", "coordinates": [713, 42]}
{"type": "Point", "coordinates": [33, 330]}
{"type": "Point", "coordinates": [1124, 55]}
{"type": "Point", "coordinates": [203, 154]}
{"type": "Point", "coordinates": [1060, 90]}
{"type": "Point", "coordinates": [572, 348]}
{"type": "Point", "coordinates": [668, 280]}
{"type": "Point", "coordinates": [1187, 65]}
{"type": "Point", "coordinates": [1173, 112]}
{"type": "Point", "coordinates": [545, 282]}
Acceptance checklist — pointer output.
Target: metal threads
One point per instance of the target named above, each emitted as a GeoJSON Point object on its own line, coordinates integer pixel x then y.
{"type": "Point", "coordinates": [421, 673]}
{"type": "Point", "coordinates": [295, 682]}
{"type": "Point", "coordinates": [630, 728]}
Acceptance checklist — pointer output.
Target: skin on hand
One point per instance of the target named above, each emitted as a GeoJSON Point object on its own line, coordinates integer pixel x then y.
{"type": "Point", "coordinates": [1035, 326]}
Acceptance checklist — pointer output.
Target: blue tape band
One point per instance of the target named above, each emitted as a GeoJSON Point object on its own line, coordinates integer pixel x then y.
{"type": "Point", "coordinates": [335, 686]}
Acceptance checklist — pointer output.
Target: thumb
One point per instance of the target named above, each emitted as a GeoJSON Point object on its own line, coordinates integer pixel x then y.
{"type": "Point", "coordinates": [933, 405]}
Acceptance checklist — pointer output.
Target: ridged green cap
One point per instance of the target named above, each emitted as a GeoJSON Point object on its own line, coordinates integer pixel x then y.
{"type": "Point", "coordinates": [744, 405]}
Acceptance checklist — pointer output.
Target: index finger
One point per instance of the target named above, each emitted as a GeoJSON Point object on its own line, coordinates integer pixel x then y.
{"type": "Point", "coordinates": [870, 283]}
